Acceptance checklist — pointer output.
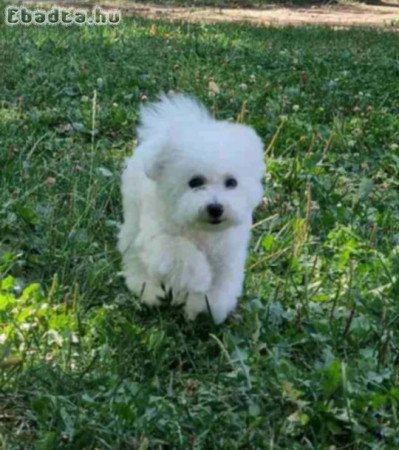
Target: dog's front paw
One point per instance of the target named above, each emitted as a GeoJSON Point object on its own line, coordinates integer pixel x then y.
{"type": "Point", "coordinates": [218, 307]}
{"type": "Point", "coordinates": [151, 294]}
{"type": "Point", "coordinates": [195, 304]}
{"type": "Point", "coordinates": [186, 269]}
{"type": "Point", "coordinates": [176, 262]}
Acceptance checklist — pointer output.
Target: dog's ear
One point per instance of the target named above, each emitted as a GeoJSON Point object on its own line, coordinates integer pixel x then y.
{"type": "Point", "coordinates": [153, 166]}
{"type": "Point", "coordinates": [156, 159]}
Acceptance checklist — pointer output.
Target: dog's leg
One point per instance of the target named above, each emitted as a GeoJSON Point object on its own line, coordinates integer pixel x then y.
{"type": "Point", "coordinates": [227, 288]}
{"type": "Point", "coordinates": [222, 298]}
{"type": "Point", "coordinates": [222, 301]}
{"type": "Point", "coordinates": [175, 261]}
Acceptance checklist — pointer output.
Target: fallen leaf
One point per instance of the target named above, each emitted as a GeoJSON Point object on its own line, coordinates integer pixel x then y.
{"type": "Point", "coordinates": [213, 87]}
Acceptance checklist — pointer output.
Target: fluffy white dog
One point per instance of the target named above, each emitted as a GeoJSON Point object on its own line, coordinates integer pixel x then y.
{"type": "Point", "coordinates": [188, 195]}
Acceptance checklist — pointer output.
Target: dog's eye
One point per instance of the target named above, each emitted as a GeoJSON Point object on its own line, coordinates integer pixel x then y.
{"type": "Point", "coordinates": [231, 183]}
{"type": "Point", "coordinates": [196, 182]}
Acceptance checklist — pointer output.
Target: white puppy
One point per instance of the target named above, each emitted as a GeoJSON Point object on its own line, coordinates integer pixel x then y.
{"type": "Point", "coordinates": [188, 195]}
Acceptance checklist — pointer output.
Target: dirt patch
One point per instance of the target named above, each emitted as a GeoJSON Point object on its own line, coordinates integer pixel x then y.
{"type": "Point", "coordinates": [359, 14]}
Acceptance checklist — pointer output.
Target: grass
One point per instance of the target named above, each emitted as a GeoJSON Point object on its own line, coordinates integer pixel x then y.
{"type": "Point", "coordinates": [310, 359]}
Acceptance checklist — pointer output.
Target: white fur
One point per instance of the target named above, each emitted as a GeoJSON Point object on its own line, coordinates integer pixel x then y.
{"type": "Point", "coordinates": [166, 241]}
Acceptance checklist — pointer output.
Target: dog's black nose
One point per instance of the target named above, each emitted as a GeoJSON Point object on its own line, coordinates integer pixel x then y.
{"type": "Point", "coordinates": [215, 210]}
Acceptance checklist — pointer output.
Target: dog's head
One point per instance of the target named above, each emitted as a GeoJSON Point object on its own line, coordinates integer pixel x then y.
{"type": "Point", "coordinates": [208, 176]}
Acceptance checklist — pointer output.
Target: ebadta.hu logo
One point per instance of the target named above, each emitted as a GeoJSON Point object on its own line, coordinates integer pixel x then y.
{"type": "Point", "coordinates": [20, 15]}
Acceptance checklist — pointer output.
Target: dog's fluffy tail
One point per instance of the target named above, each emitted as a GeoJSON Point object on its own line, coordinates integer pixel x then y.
{"type": "Point", "coordinates": [171, 111]}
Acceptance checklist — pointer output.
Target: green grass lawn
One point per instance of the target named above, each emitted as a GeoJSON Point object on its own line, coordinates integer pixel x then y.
{"type": "Point", "coordinates": [310, 359]}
